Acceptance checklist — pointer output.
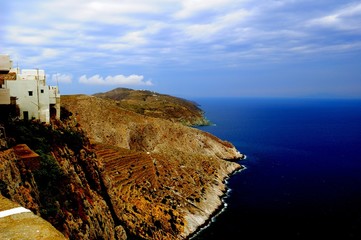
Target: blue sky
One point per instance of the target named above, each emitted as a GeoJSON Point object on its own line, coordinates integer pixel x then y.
{"type": "Point", "coordinates": [189, 48]}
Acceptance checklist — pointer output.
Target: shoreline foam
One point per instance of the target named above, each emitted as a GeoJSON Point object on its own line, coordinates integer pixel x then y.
{"type": "Point", "coordinates": [220, 209]}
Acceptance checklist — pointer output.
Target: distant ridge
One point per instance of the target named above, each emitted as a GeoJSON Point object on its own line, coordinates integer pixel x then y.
{"type": "Point", "coordinates": [157, 105]}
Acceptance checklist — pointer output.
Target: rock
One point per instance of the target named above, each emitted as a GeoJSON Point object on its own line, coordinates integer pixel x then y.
{"type": "Point", "coordinates": [16, 182]}
{"type": "Point", "coordinates": [120, 233]}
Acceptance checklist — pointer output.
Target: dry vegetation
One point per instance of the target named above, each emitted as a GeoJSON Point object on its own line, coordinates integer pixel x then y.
{"type": "Point", "coordinates": [164, 179]}
{"type": "Point", "coordinates": [157, 105]}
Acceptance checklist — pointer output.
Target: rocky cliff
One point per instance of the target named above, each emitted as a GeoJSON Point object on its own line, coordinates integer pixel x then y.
{"type": "Point", "coordinates": [66, 189]}
{"type": "Point", "coordinates": [111, 173]}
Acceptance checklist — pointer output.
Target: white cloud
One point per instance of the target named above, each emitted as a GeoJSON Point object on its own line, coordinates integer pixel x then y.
{"type": "Point", "coordinates": [345, 18]}
{"type": "Point", "coordinates": [134, 39]}
{"type": "Point", "coordinates": [190, 8]}
{"type": "Point", "coordinates": [61, 78]}
{"type": "Point", "coordinates": [125, 12]}
{"type": "Point", "coordinates": [228, 21]}
{"type": "Point", "coordinates": [351, 10]}
{"type": "Point", "coordinates": [115, 80]}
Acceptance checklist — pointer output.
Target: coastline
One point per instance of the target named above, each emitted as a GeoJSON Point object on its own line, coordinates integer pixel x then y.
{"type": "Point", "coordinates": [133, 136]}
{"type": "Point", "coordinates": [221, 207]}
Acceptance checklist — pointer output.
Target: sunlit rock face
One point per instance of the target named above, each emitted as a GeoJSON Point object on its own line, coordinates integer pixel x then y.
{"type": "Point", "coordinates": [16, 181]}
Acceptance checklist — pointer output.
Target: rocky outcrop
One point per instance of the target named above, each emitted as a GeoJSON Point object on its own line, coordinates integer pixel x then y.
{"type": "Point", "coordinates": [16, 181]}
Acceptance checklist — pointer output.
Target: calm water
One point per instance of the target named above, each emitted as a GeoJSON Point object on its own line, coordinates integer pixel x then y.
{"type": "Point", "coordinates": [303, 176]}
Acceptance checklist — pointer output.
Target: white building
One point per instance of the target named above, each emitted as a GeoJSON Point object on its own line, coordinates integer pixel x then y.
{"type": "Point", "coordinates": [34, 98]}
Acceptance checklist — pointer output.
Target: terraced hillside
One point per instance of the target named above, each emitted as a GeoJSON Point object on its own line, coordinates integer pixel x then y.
{"type": "Point", "coordinates": [164, 179]}
{"type": "Point", "coordinates": [157, 196]}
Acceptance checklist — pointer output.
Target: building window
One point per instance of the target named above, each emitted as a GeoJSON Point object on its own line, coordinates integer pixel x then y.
{"type": "Point", "coordinates": [42, 90]}
{"type": "Point", "coordinates": [30, 93]}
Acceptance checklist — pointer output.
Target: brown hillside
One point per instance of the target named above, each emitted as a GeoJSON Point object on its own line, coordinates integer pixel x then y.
{"type": "Point", "coordinates": [157, 105]}
{"type": "Point", "coordinates": [164, 179]}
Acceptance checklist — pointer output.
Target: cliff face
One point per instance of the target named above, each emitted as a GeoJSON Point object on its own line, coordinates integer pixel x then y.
{"type": "Point", "coordinates": [66, 189]}
{"type": "Point", "coordinates": [17, 182]}
{"type": "Point", "coordinates": [110, 173]}
{"type": "Point", "coordinates": [164, 179]}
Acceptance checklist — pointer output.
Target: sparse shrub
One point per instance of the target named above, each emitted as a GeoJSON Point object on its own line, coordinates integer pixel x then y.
{"type": "Point", "coordinates": [74, 140]}
{"type": "Point", "coordinates": [44, 139]}
{"type": "Point", "coordinates": [65, 114]}
{"type": "Point", "coordinates": [3, 189]}
{"type": "Point", "coordinates": [49, 174]}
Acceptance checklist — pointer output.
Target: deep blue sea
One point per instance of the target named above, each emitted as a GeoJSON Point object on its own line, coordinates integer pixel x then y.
{"type": "Point", "coordinates": [303, 168]}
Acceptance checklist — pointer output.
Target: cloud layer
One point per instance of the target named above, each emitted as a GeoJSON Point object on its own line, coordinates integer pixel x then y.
{"type": "Point", "coordinates": [159, 30]}
{"type": "Point", "coordinates": [115, 80]}
{"type": "Point", "coordinates": [91, 37]}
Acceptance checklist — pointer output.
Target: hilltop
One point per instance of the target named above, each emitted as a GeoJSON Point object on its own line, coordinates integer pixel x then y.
{"type": "Point", "coordinates": [158, 105]}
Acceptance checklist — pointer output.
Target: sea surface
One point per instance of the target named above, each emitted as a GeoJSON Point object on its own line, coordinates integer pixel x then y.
{"type": "Point", "coordinates": [303, 168]}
